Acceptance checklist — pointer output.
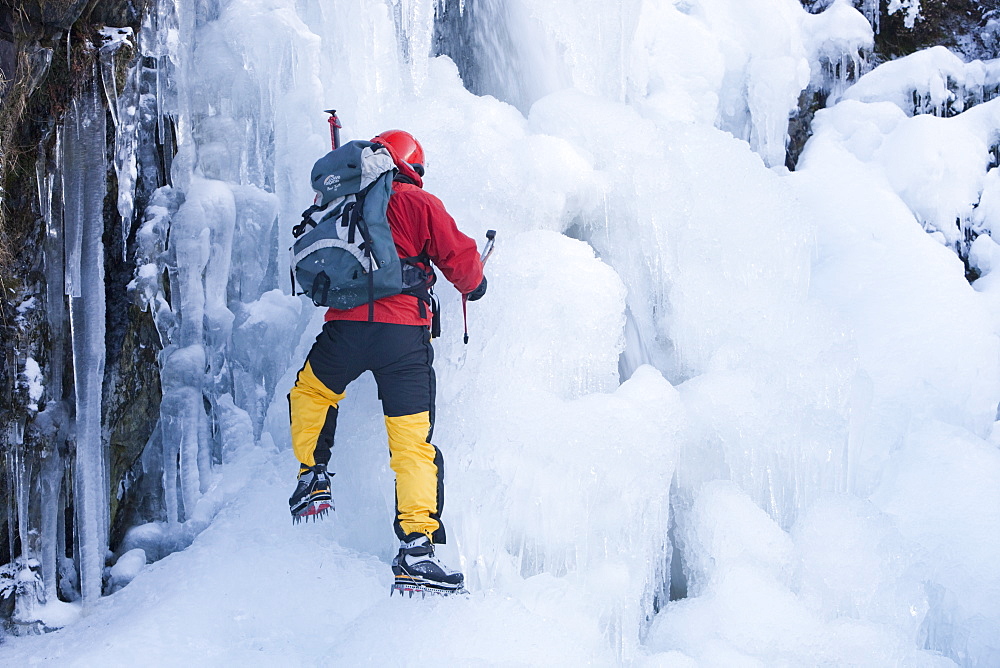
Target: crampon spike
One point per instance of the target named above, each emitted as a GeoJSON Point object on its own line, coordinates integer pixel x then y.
{"type": "Point", "coordinates": [409, 589]}
{"type": "Point", "coordinates": [315, 511]}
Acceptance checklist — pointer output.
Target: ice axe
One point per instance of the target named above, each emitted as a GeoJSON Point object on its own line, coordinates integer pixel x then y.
{"type": "Point", "coordinates": [491, 236]}
{"type": "Point", "coordinates": [334, 128]}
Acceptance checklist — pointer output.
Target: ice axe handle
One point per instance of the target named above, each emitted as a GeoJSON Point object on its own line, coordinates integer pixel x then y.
{"type": "Point", "coordinates": [488, 249]}
{"type": "Point", "coordinates": [334, 128]}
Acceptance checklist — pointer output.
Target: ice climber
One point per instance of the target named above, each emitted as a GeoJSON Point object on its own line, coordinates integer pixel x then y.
{"type": "Point", "coordinates": [395, 345]}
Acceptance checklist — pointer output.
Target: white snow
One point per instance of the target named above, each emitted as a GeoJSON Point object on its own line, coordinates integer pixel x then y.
{"type": "Point", "coordinates": [112, 36]}
{"type": "Point", "coordinates": [35, 381]}
{"type": "Point", "coordinates": [934, 80]}
{"type": "Point", "coordinates": [126, 568]}
{"type": "Point", "coordinates": [693, 370]}
{"type": "Point", "coordinates": [912, 8]}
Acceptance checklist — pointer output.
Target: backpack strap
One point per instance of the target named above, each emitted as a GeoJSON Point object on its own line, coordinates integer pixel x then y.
{"type": "Point", "coordinates": [356, 226]}
{"type": "Point", "coordinates": [351, 214]}
{"type": "Point", "coordinates": [424, 291]}
{"type": "Point", "coordinates": [307, 220]}
{"type": "Point", "coordinates": [371, 285]}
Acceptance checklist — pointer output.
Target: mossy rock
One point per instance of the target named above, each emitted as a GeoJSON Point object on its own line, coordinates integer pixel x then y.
{"type": "Point", "coordinates": [132, 400]}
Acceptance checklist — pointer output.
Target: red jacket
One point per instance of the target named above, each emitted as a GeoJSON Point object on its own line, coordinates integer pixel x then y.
{"type": "Point", "coordinates": [420, 224]}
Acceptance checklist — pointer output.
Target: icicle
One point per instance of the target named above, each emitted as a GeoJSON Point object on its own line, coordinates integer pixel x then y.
{"type": "Point", "coordinates": [84, 189]}
{"type": "Point", "coordinates": [871, 9]}
{"type": "Point", "coordinates": [111, 44]}
{"type": "Point", "coordinates": [841, 40]}
{"type": "Point", "coordinates": [20, 578]}
{"type": "Point", "coordinates": [170, 452]}
{"type": "Point", "coordinates": [52, 527]}
{"type": "Point", "coordinates": [56, 229]}
{"type": "Point", "coordinates": [50, 479]}
{"type": "Point", "coordinates": [415, 25]}
{"type": "Point", "coordinates": [72, 214]}
{"type": "Point", "coordinates": [44, 189]}
{"type": "Point", "coordinates": [14, 464]}
{"type": "Point", "coordinates": [124, 112]}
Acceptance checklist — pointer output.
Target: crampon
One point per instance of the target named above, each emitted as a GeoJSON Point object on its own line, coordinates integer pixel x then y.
{"type": "Point", "coordinates": [311, 498]}
{"type": "Point", "coordinates": [407, 587]}
{"type": "Point", "coordinates": [418, 571]}
{"type": "Point", "coordinates": [313, 510]}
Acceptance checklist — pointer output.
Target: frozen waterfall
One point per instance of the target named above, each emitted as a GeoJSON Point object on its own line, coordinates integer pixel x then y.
{"type": "Point", "coordinates": [768, 395]}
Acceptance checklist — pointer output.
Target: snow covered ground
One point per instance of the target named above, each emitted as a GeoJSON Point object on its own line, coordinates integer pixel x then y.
{"type": "Point", "coordinates": [254, 590]}
{"type": "Point", "coordinates": [778, 385]}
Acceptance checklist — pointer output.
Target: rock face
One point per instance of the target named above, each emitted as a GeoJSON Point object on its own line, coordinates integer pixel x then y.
{"type": "Point", "coordinates": [967, 27]}
{"type": "Point", "coordinates": [37, 19]}
{"type": "Point", "coordinates": [50, 57]}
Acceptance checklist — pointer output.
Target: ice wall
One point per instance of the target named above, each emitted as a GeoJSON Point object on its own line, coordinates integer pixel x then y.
{"type": "Point", "coordinates": [620, 251]}
{"type": "Point", "coordinates": [563, 481]}
{"type": "Point", "coordinates": [754, 293]}
{"type": "Point", "coordinates": [909, 156]}
{"type": "Point", "coordinates": [659, 166]}
{"type": "Point", "coordinates": [689, 361]}
{"type": "Point", "coordinates": [744, 66]}
{"type": "Point", "coordinates": [238, 117]}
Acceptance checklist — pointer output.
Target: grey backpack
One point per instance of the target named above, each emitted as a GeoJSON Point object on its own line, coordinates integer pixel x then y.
{"type": "Point", "coordinates": [344, 255]}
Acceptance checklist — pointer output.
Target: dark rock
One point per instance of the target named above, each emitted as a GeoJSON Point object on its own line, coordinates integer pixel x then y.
{"type": "Point", "coordinates": [33, 16]}
{"type": "Point", "coordinates": [961, 25]}
{"type": "Point", "coordinates": [132, 408]}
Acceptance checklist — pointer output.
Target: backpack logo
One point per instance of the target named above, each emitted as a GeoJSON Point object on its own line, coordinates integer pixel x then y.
{"type": "Point", "coordinates": [332, 181]}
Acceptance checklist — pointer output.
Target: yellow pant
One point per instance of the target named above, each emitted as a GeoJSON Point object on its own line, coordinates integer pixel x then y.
{"type": "Point", "coordinates": [405, 382]}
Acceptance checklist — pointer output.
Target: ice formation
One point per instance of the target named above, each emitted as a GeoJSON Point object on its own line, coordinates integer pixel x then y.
{"type": "Point", "coordinates": [933, 81]}
{"type": "Point", "coordinates": [220, 216]}
{"type": "Point", "coordinates": [83, 221]}
{"type": "Point", "coordinates": [839, 41]}
{"type": "Point", "coordinates": [695, 374]}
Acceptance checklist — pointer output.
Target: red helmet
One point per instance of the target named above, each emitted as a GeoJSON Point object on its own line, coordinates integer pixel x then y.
{"type": "Point", "coordinates": [403, 143]}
